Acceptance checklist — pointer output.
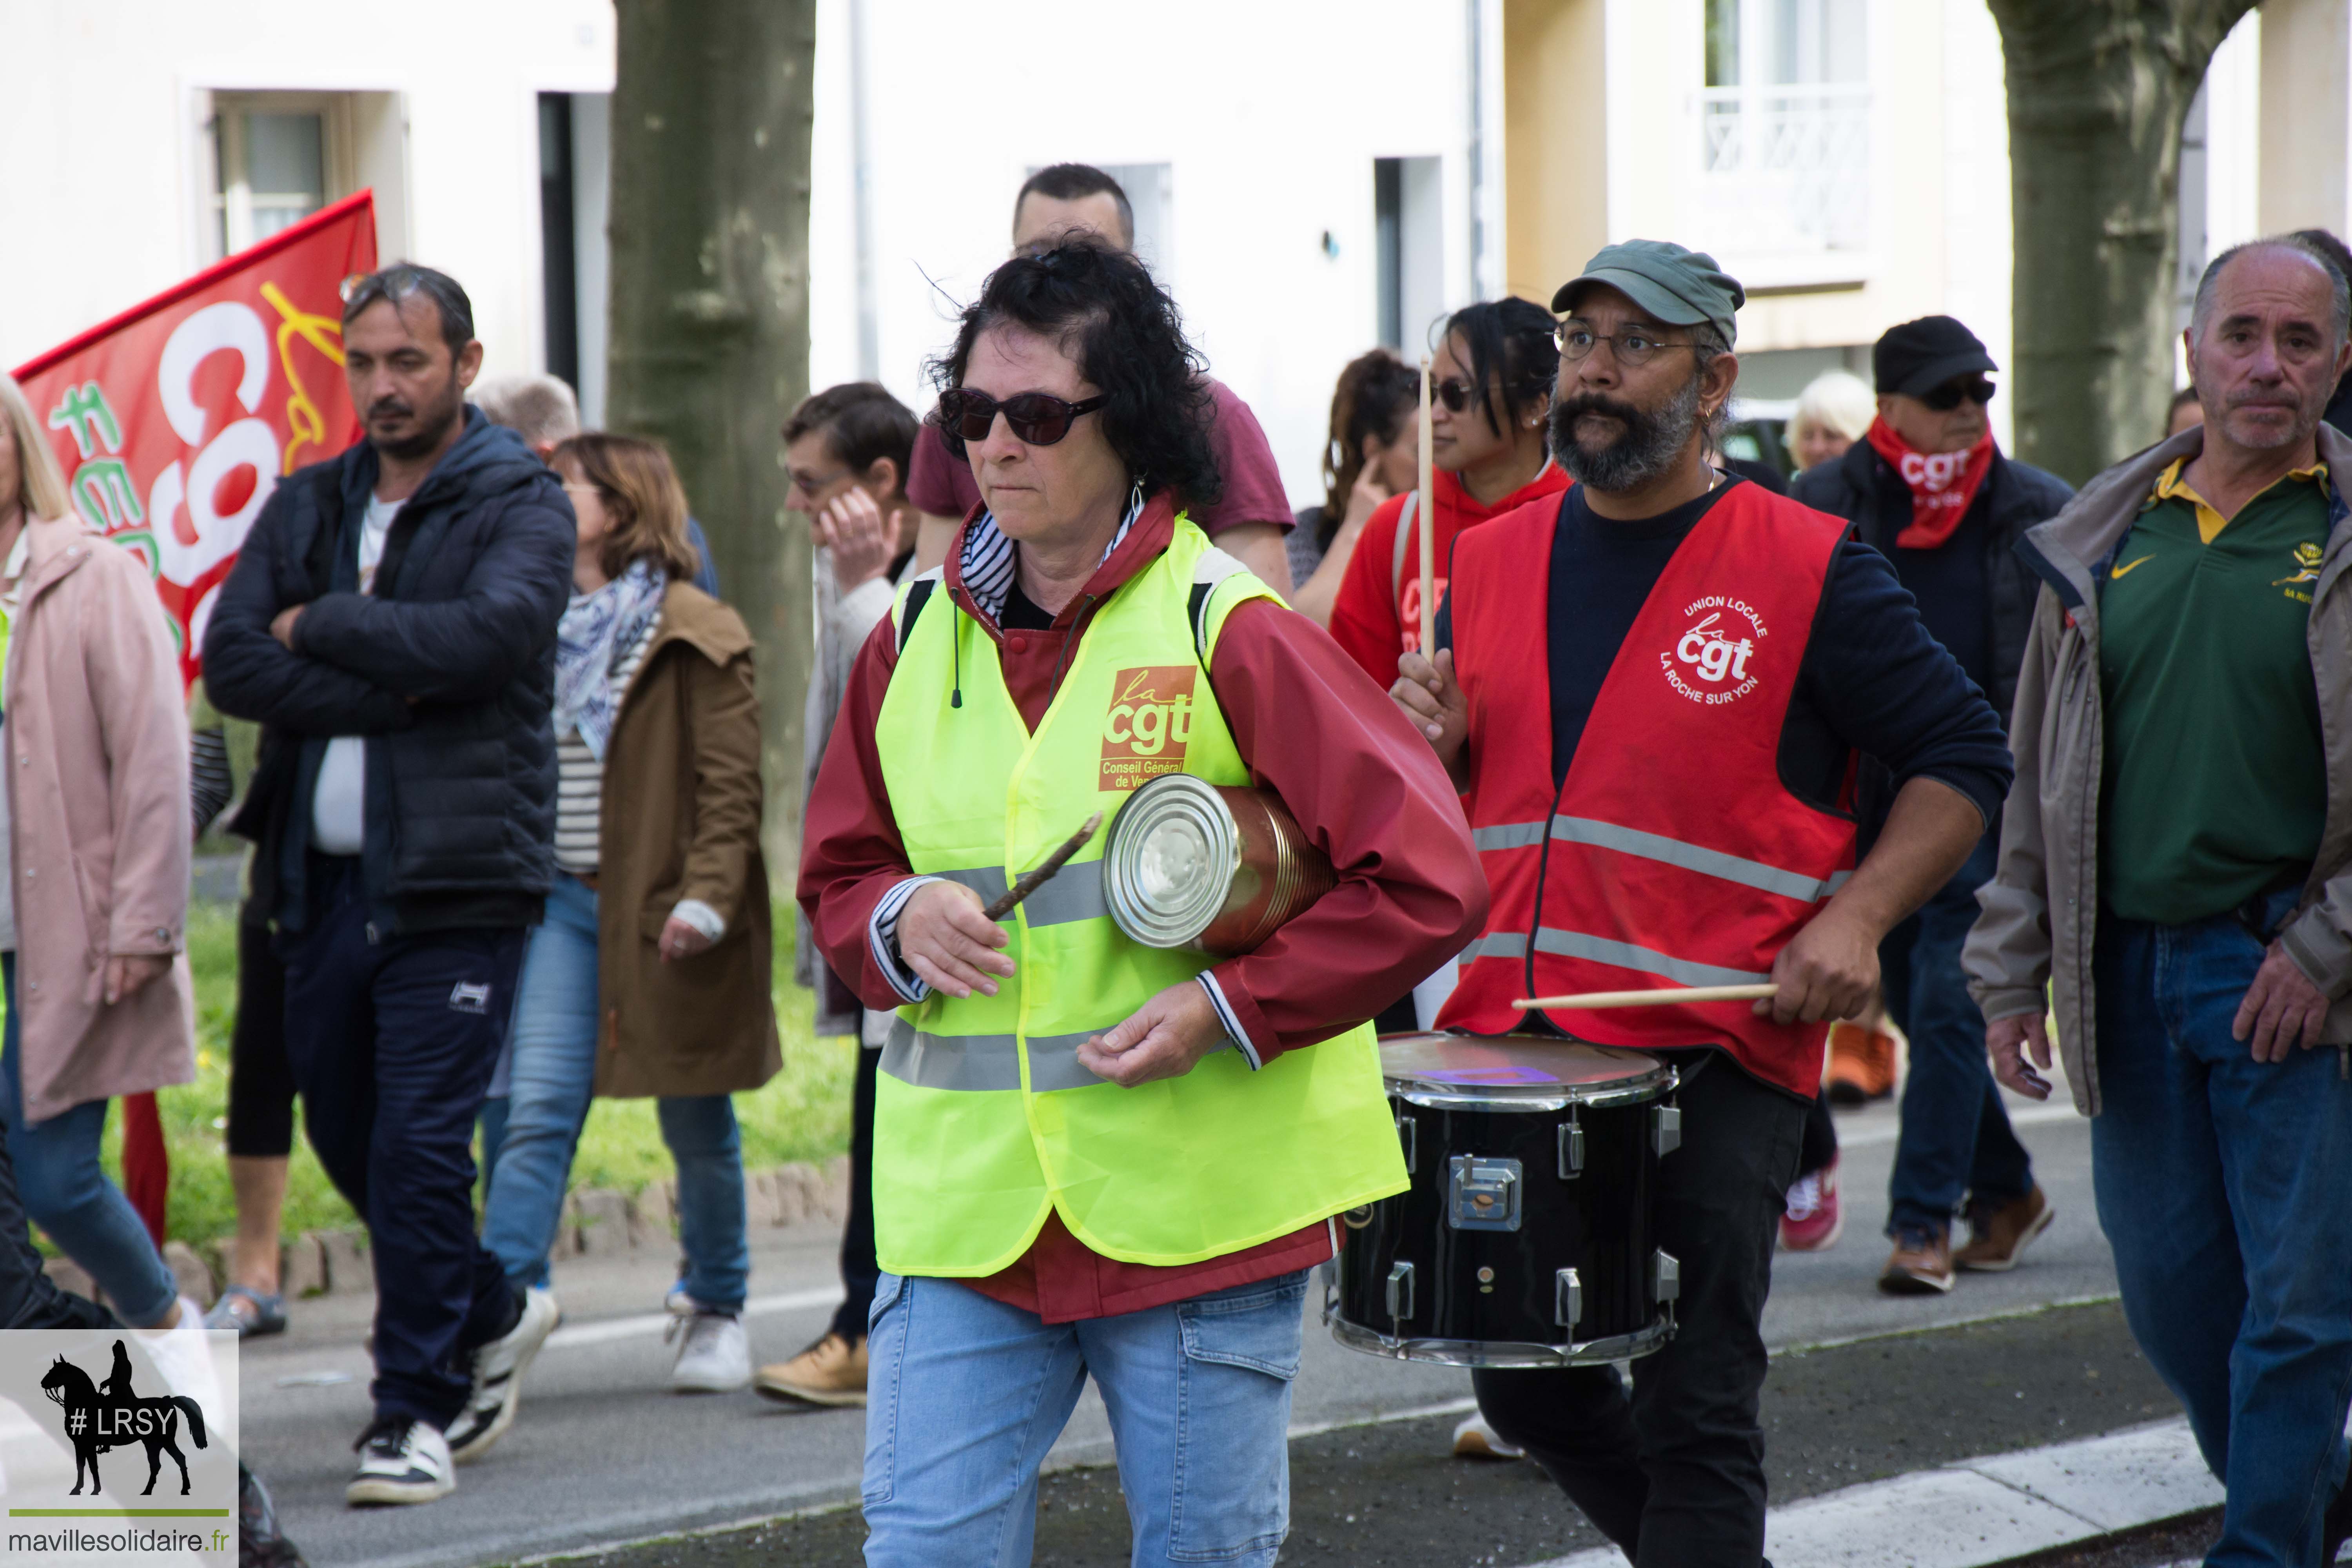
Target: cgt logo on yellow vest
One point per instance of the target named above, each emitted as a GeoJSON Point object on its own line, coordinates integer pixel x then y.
{"type": "Point", "coordinates": [1715, 649]}
{"type": "Point", "coordinates": [1150, 720]}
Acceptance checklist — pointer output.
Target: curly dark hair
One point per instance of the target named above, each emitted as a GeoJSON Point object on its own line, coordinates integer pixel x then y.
{"type": "Point", "coordinates": [1104, 309]}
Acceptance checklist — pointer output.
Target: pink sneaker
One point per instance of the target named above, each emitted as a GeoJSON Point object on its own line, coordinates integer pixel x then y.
{"type": "Point", "coordinates": [1815, 1217]}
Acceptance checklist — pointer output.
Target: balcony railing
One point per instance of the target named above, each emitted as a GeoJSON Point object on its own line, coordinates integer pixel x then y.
{"type": "Point", "coordinates": [1785, 169]}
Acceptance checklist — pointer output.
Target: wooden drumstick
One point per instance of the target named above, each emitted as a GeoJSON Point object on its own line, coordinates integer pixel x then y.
{"type": "Point", "coordinates": [1427, 507]}
{"type": "Point", "coordinates": [1588, 999]}
{"type": "Point", "coordinates": [1044, 873]}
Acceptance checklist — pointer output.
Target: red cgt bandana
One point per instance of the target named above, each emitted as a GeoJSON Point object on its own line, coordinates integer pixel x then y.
{"type": "Point", "coordinates": [1942, 483]}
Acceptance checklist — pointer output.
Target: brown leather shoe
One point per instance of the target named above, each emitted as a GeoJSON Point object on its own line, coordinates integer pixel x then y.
{"type": "Point", "coordinates": [1996, 1235]}
{"type": "Point", "coordinates": [830, 1371]}
{"type": "Point", "coordinates": [1861, 1064]}
{"type": "Point", "coordinates": [1921, 1266]}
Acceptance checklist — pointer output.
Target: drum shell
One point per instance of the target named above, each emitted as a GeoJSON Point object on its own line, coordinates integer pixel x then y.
{"type": "Point", "coordinates": [1598, 1222]}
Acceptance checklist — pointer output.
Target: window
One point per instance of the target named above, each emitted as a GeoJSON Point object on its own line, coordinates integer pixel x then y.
{"type": "Point", "coordinates": [1784, 128]}
{"type": "Point", "coordinates": [559, 264]}
{"type": "Point", "coordinates": [1408, 247]}
{"type": "Point", "coordinates": [276, 159]}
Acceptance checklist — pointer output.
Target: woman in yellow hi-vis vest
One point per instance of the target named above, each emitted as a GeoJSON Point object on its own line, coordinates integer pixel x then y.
{"type": "Point", "coordinates": [1091, 1157]}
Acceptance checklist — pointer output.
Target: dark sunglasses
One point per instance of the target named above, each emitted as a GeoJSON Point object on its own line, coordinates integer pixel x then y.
{"type": "Point", "coordinates": [1457, 395]}
{"type": "Point", "coordinates": [1038, 418]}
{"type": "Point", "coordinates": [1946, 398]}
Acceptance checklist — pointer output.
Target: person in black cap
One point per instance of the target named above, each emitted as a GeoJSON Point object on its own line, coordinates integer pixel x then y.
{"type": "Point", "coordinates": [1704, 660]}
{"type": "Point", "coordinates": [1928, 487]}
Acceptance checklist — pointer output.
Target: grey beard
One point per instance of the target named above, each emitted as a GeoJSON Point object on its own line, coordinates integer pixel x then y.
{"type": "Point", "coordinates": [1651, 443]}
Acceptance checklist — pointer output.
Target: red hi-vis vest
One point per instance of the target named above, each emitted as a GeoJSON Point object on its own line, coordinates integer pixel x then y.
{"type": "Point", "coordinates": [1672, 854]}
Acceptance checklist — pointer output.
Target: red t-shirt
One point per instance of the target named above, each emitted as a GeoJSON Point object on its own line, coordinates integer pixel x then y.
{"type": "Point", "coordinates": [941, 483]}
{"type": "Point", "coordinates": [1376, 615]}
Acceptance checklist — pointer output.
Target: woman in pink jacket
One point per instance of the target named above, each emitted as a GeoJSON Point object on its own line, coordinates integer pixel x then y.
{"type": "Point", "coordinates": [93, 864]}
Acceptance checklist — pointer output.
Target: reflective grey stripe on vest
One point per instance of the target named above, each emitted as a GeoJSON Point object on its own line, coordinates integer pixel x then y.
{"type": "Point", "coordinates": [1498, 944]}
{"type": "Point", "coordinates": [969, 1062]}
{"type": "Point", "coordinates": [1655, 847]}
{"type": "Point", "coordinates": [1508, 835]}
{"type": "Point", "coordinates": [1692, 857]}
{"type": "Point", "coordinates": [1625, 956]}
{"type": "Point", "coordinates": [1074, 895]}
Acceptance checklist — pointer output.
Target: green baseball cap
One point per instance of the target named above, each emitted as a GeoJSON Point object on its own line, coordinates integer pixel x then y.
{"type": "Point", "coordinates": [1681, 287]}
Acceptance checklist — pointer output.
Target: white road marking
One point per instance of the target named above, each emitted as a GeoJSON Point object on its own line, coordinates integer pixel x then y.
{"type": "Point", "coordinates": [1985, 1511]}
{"type": "Point", "coordinates": [611, 1329]}
{"type": "Point", "coordinates": [2018, 1115]}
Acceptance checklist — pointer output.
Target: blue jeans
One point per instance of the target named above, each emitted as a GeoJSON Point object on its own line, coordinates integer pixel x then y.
{"type": "Point", "coordinates": [66, 1192]}
{"type": "Point", "coordinates": [554, 1071]}
{"type": "Point", "coordinates": [1956, 1140]}
{"type": "Point", "coordinates": [2225, 1186]}
{"type": "Point", "coordinates": [967, 1395]}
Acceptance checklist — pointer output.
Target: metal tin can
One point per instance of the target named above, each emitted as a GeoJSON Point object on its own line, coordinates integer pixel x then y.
{"type": "Point", "coordinates": [1216, 868]}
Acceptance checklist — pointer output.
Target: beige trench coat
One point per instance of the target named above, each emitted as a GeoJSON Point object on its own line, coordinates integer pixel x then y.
{"type": "Point", "coordinates": [96, 773]}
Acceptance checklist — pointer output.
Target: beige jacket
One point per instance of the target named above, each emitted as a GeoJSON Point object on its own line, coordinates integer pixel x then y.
{"type": "Point", "coordinates": [2041, 910]}
{"type": "Point", "coordinates": [97, 815]}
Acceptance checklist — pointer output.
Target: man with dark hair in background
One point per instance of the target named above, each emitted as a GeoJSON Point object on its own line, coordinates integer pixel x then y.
{"type": "Point", "coordinates": [1928, 487]}
{"type": "Point", "coordinates": [543, 410]}
{"type": "Point", "coordinates": [391, 623]}
{"type": "Point", "coordinates": [1248, 522]}
{"type": "Point", "coordinates": [847, 449]}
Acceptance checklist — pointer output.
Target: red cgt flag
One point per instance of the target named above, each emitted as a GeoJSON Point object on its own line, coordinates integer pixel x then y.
{"type": "Point", "coordinates": [175, 420]}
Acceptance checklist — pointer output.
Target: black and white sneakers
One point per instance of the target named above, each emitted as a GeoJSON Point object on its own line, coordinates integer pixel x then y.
{"type": "Point", "coordinates": [401, 1460]}
{"type": "Point", "coordinates": [498, 1367]}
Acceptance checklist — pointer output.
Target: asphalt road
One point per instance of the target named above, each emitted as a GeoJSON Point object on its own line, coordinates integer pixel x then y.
{"type": "Point", "coordinates": [603, 1453]}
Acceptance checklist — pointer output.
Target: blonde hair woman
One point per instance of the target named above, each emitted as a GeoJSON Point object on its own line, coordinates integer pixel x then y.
{"type": "Point", "coordinates": [93, 865]}
{"type": "Point", "coordinates": [1833, 412]}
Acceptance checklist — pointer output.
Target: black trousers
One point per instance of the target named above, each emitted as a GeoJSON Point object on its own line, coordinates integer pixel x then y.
{"type": "Point", "coordinates": [260, 1083]}
{"type": "Point", "coordinates": [1674, 1475]}
{"type": "Point", "coordinates": [859, 1269]}
{"type": "Point", "coordinates": [393, 1042]}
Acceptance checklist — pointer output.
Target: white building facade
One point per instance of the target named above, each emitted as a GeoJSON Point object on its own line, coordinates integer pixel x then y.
{"type": "Point", "coordinates": [1310, 179]}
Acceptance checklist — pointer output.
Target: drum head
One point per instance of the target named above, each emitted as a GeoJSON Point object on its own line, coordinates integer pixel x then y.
{"type": "Point", "coordinates": [1517, 1072]}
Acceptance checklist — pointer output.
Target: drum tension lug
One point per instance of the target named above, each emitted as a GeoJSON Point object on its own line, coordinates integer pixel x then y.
{"type": "Point", "coordinates": [1666, 1132]}
{"type": "Point", "coordinates": [1568, 1299]}
{"type": "Point", "coordinates": [1572, 1147]}
{"type": "Point", "coordinates": [1667, 1282]}
{"type": "Point", "coordinates": [1399, 1292]}
{"type": "Point", "coordinates": [1409, 1141]}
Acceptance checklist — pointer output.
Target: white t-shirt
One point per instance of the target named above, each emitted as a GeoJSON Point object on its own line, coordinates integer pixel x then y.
{"type": "Point", "coordinates": [338, 805]}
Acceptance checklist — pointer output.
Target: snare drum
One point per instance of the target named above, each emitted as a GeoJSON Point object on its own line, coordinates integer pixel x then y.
{"type": "Point", "coordinates": [1527, 1237]}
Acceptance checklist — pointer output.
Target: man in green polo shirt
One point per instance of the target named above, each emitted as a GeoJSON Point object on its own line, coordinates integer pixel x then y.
{"type": "Point", "coordinates": [2175, 870]}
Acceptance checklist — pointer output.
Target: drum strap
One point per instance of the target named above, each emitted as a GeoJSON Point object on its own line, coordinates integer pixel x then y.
{"type": "Point", "coordinates": [918, 594]}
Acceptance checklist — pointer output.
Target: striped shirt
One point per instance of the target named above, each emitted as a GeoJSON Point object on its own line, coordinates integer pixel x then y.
{"type": "Point", "coordinates": [580, 775]}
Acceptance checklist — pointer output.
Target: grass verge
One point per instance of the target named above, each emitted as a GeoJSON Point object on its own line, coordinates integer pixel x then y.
{"type": "Point", "coordinates": [803, 1113]}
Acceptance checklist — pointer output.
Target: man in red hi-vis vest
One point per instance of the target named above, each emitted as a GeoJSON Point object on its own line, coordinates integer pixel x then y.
{"type": "Point", "coordinates": [1652, 690]}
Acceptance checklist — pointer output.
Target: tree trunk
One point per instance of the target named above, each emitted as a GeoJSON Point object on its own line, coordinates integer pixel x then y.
{"type": "Point", "coordinates": [711, 120]}
{"type": "Point", "coordinates": [2098, 90]}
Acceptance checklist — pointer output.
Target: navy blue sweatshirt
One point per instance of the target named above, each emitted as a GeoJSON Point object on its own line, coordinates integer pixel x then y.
{"type": "Point", "coordinates": [1872, 680]}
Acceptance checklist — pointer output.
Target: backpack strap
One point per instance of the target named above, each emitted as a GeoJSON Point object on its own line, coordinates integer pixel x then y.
{"type": "Point", "coordinates": [1404, 533]}
{"type": "Point", "coordinates": [910, 608]}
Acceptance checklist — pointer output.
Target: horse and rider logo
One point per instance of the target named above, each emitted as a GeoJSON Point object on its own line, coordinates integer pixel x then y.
{"type": "Point", "coordinates": [111, 1415]}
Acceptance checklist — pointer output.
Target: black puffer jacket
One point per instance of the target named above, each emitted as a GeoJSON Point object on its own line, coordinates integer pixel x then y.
{"type": "Point", "coordinates": [1862, 487]}
{"type": "Point", "coordinates": [448, 666]}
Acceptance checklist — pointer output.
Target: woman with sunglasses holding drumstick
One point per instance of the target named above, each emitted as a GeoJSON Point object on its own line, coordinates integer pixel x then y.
{"type": "Point", "coordinates": [1490, 390]}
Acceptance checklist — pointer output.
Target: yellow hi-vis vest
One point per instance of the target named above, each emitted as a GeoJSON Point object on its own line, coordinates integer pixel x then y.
{"type": "Point", "coordinates": [984, 1120]}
